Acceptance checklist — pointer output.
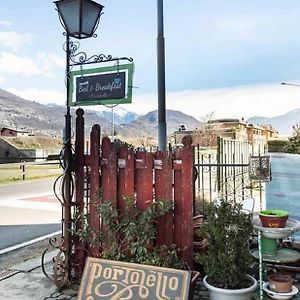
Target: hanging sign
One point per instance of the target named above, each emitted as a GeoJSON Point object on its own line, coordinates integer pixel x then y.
{"type": "Point", "coordinates": [106, 85]}
{"type": "Point", "coordinates": [107, 279]}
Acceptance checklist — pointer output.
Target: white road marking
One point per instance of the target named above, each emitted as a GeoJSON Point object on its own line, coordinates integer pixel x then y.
{"type": "Point", "coordinates": [18, 246]}
{"type": "Point", "coordinates": [23, 201]}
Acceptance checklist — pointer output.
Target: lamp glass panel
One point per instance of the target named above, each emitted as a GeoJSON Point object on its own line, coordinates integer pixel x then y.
{"type": "Point", "coordinates": [69, 11]}
{"type": "Point", "coordinates": [90, 14]}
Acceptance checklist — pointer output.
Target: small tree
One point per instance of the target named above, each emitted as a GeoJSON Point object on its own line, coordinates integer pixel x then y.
{"type": "Point", "coordinates": [293, 145]}
{"type": "Point", "coordinates": [227, 228]}
{"type": "Point", "coordinates": [207, 131]}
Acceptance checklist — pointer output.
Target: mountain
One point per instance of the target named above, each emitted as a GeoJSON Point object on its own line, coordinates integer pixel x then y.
{"type": "Point", "coordinates": [121, 115]}
{"type": "Point", "coordinates": [49, 120]}
{"type": "Point", "coordinates": [283, 123]}
{"type": "Point", "coordinates": [147, 125]}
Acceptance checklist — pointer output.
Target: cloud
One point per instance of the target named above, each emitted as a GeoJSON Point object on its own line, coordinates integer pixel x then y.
{"type": "Point", "coordinates": [14, 64]}
{"type": "Point", "coordinates": [43, 65]}
{"type": "Point", "coordinates": [5, 24]}
{"type": "Point", "coordinates": [237, 102]}
{"type": "Point", "coordinates": [2, 79]}
{"type": "Point", "coordinates": [41, 96]}
{"type": "Point", "coordinates": [49, 62]}
{"type": "Point", "coordinates": [13, 40]}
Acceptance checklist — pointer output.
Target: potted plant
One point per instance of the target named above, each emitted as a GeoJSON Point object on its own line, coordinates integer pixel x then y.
{"type": "Point", "coordinates": [227, 228]}
{"type": "Point", "coordinates": [273, 218]}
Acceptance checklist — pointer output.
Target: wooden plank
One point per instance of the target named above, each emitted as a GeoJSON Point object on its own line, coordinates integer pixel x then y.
{"type": "Point", "coordinates": [163, 192]}
{"type": "Point", "coordinates": [187, 201]}
{"type": "Point", "coordinates": [125, 176]}
{"type": "Point", "coordinates": [94, 184]}
{"type": "Point", "coordinates": [144, 179]}
{"type": "Point", "coordinates": [109, 171]}
{"type": "Point", "coordinates": [178, 207]}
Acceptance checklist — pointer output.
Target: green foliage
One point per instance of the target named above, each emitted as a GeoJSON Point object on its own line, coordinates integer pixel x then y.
{"type": "Point", "coordinates": [121, 144]}
{"type": "Point", "coordinates": [228, 229]}
{"type": "Point", "coordinates": [293, 145]}
{"type": "Point", "coordinates": [129, 235]}
{"type": "Point", "coordinates": [276, 145]}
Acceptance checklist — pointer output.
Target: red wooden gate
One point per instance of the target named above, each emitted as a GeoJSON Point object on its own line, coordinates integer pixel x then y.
{"type": "Point", "coordinates": [146, 176]}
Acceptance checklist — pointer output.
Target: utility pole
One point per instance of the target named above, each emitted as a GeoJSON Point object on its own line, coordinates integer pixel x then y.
{"type": "Point", "coordinates": [161, 84]}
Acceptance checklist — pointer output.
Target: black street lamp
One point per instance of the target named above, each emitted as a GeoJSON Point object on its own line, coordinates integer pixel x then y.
{"type": "Point", "coordinates": [80, 19]}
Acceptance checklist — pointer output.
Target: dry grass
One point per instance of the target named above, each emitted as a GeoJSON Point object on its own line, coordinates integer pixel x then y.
{"type": "Point", "coordinates": [14, 172]}
{"type": "Point", "coordinates": [35, 142]}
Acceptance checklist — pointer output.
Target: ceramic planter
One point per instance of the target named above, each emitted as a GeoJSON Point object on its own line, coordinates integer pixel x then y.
{"type": "Point", "coordinates": [273, 218]}
{"type": "Point", "coordinates": [281, 296]}
{"type": "Point", "coordinates": [229, 294]}
{"type": "Point", "coordinates": [280, 283]}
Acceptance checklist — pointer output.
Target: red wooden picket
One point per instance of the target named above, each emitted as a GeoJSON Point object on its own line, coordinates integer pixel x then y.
{"type": "Point", "coordinates": [163, 192]}
{"type": "Point", "coordinates": [94, 184]}
{"type": "Point", "coordinates": [178, 211]}
{"type": "Point", "coordinates": [109, 171]}
{"type": "Point", "coordinates": [79, 189]}
{"type": "Point", "coordinates": [187, 201]}
{"type": "Point", "coordinates": [126, 176]}
{"type": "Point", "coordinates": [144, 179]}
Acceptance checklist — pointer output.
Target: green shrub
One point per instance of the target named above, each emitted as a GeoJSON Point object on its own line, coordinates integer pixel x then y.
{"type": "Point", "coordinates": [227, 228]}
{"type": "Point", "coordinates": [276, 145]}
{"type": "Point", "coordinates": [129, 235]}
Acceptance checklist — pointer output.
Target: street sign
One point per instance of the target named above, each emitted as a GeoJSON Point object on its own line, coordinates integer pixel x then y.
{"type": "Point", "coordinates": [101, 86]}
{"type": "Point", "coordinates": [107, 279]}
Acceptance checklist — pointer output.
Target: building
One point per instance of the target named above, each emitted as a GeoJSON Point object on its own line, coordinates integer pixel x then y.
{"type": "Point", "coordinates": [235, 129]}
{"type": "Point", "coordinates": [10, 132]}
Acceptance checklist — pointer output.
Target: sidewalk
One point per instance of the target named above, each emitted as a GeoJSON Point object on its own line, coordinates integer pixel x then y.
{"type": "Point", "coordinates": [21, 280]}
{"type": "Point", "coordinates": [22, 277]}
{"type": "Point", "coordinates": [27, 281]}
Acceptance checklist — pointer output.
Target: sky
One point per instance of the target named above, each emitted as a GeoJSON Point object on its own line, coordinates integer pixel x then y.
{"type": "Point", "coordinates": [222, 57]}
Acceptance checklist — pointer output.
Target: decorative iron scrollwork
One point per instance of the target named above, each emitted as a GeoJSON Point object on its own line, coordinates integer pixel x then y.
{"type": "Point", "coordinates": [60, 264]}
{"type": "Point", "coordinates": [81, 58]}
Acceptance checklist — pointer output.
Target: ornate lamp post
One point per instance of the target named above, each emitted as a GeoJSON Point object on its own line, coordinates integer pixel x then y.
{"type": "Point", "coordinates": [80, 19]}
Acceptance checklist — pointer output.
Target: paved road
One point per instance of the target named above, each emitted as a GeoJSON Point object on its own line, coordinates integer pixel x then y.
{"type": "Point", "coordinates": [28, 210]}
{"type": "Point", "coordinates": [27, 187]}
{"type": "Point", "coordinates": [17, 234]}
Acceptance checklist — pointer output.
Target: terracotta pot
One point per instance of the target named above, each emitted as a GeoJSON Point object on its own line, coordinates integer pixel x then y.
{"type": "Point", "coordinates": [273, 218]}
{"type": "Point", "coordinates": [197, 221]}
{"type": "Point", "coordinates": [280, 283]}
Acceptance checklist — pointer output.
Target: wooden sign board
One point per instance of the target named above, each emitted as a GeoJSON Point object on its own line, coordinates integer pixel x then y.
{"type": "Point", "coordinates": [116, 280]}
{"type": "Point", "coordinates": [101, 86]}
